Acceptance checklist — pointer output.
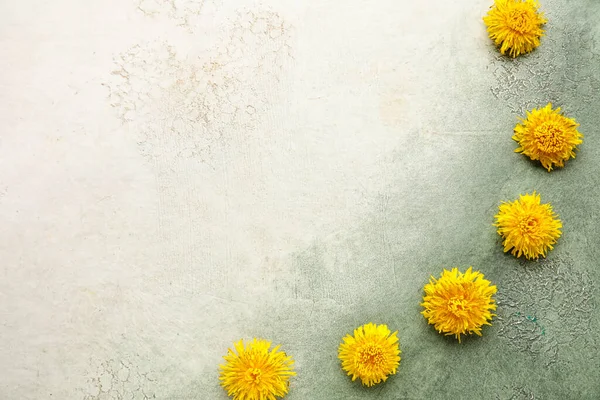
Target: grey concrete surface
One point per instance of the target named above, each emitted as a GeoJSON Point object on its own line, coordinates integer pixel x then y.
{"type": "Point", "coordinates": [176, 175]}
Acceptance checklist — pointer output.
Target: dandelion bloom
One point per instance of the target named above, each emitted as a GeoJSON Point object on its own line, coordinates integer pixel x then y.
{"type": "Point", "coordinates": [371, 354]}
{"type": "Point", "coordinates": [459, 304]}
{"type": "Point", "coordinates": [515, 25]}
{"type": "Point", "coordinates": [528, 227]}
{"type": "Point", "coordinates": [548, 136]}
{"type": "Point", "coordinates": [253, 372]}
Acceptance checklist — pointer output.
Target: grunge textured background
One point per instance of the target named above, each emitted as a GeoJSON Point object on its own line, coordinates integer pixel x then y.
{"type": "Point", "coordinates": [178, 174]}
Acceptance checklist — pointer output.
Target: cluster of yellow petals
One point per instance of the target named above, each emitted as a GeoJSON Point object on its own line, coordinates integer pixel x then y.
{"type": "Point", "coordinates": [371, 354]}
{"type": "Point", "coordinates": [255, 373]}
{"type": "Point", "coordinates": [548, 136]}
{"type": "Point", "coordinates": [528, 227]}
{"type": "Point", "coordinates": [459, 303]}
{"type": "Point", "coordinates": [515, 25]}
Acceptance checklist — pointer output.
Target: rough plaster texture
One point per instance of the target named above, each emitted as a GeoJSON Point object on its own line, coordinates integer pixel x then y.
{"type": "Point", "coordinates": [179, 174]}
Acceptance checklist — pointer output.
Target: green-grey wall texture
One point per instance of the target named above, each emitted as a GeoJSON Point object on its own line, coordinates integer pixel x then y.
{"type": "Point", "coordinates": [179, 175]}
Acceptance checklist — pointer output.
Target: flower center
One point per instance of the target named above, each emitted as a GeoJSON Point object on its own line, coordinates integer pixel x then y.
{"type": "Point", "coordinates": [549, 137]}
{"type": "Point", "coordinates": [520, 20]}
{"type": "Point", "coordinates": [371, 356]}
{"type": "Point", "coordinates": [253, 375]}
{"type": "Point", "coordinates": [458, 305]}
{"type": "Point", "coordinates": [528, 224]}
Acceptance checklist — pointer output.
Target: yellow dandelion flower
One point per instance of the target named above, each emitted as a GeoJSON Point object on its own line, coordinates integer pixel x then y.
{"type": "Point", "coordinates": [515, 25]}
{"type": "Point", "coordinates": [548, 136]}
{"type": "Point", "coordinates": [371, 354]}
{"type": "Point", "coordinates": [528, 227]}
{"type": "Point", "coordinates": [457, 303]}
{"type": "Point", "coordinates": [255, 373]}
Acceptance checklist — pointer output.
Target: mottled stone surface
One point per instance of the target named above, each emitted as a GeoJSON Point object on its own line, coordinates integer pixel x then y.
{"type": "Point", "coordinates": [178, 174]}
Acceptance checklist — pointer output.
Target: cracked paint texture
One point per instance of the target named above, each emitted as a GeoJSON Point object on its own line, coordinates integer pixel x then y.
{"type": "Point", "coordinates": [120, 380]}
{"type": "Point", "coordinates": [195, 106]}
{"type": "Point", "coordinates": [184, 13]}
{"type": "Point", "coordinates": [545, 308]}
